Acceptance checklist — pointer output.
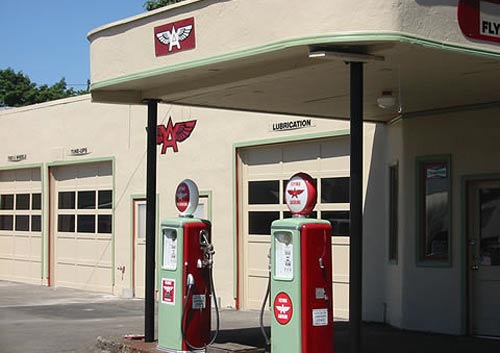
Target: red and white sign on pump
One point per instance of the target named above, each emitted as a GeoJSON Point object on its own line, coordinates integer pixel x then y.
{"type": "Point", "coordinates": [168, 291]}
{"type": "Point", "coordinates": [300, 194]}
{"type": "Point", "coordinates": [174, 37]}
{"type": "Point", "coordinates": [480, 19]}
{"type": "Point", "coordinates": [283, 308]}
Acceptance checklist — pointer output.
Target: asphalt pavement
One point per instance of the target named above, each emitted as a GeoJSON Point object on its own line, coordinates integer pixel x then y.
{"type": "Point", "coordinates": [39, 319]}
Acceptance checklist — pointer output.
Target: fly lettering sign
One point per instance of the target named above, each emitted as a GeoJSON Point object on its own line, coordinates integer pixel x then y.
{"type": "Point", "coordinates": [480, 19]}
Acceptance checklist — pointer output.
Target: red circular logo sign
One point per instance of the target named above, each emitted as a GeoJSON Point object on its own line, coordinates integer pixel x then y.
{"type": "Point", "coordinates": [300, 194]}
{"type": "Point", "coordinates": [283, 308]}
{"type": "Point", "coordinates": [182, 197]}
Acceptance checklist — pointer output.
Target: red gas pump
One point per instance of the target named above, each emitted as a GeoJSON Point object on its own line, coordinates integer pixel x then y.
{"type": "Point", "coordinates": [187, 287]}
{"type": "Point", "coordinates": [301, 275]}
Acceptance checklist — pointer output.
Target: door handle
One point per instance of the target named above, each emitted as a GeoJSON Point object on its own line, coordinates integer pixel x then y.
{"type": "Point", "coordinates": [472, 242]}
{"type": "Point", "coordinates": [474, 267]}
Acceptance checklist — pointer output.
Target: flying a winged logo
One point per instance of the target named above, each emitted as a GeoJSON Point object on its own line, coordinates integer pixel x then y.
{"type": "Point", "coordinates": [174, 37]}
{"type": "Point", "coordinates": [283, 309]}
{"type": "Point", "coordinates": [295, 192]}
{"type": "Point", "coordinates": [171, 134]}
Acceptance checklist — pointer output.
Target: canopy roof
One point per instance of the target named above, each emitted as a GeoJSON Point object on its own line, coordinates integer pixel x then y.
{"type": "Point", "coordinates": [262, 62]}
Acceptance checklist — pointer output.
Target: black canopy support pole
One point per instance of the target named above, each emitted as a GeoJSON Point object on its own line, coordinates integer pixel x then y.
{"type": "Point", "coordinates": [356, 207]}
{"type": "Point", "coordinates": [149, 305]}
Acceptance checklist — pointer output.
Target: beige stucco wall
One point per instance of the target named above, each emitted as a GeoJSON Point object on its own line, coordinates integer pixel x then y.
{"type": "Point", "coordinates": [46, 132]}
{"type": "Point", "coordinates": [472, 139]}
{"type": "Point", "coordinates": [393, 270]}
{"type": "Point", "coordinates": [405, 294]}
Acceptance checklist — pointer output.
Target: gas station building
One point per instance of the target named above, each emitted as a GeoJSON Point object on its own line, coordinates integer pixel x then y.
{"type": "Point", "coordinates": [245, 102]}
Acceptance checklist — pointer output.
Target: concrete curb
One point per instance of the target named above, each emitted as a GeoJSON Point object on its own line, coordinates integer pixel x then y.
{"type": "Point", "coordinates": [121, 345]}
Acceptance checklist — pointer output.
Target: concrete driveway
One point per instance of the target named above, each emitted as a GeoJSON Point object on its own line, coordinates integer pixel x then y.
{"type": "Point", "coordinates": [39, 319]}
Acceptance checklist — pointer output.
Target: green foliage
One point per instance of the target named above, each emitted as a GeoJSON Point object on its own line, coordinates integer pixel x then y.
{"type": "Point", "coordinates": [17, 90]}
{"type": "Point", "coordinates": [155, 4]}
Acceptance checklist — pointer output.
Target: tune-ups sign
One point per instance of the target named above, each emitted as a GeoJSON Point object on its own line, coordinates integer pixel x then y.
{"type": "Point", "coordinates": [283, 308]}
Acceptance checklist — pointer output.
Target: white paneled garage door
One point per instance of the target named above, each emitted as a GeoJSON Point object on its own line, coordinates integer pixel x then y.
{"type": "Point", "coordinates": [264, 172]}
{"type": "Point", "coordinates": [81, 226]}
{"type": "Point", "coordinates": [21, 225]}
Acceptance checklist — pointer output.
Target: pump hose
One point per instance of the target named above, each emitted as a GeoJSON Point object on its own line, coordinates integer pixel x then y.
{"type": "Point", "coordinates": [263, 307]}
{"type": "Point", "coordinates": [183, 329]}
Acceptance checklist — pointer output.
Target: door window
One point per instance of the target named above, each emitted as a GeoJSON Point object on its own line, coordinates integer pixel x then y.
{"type": "Point", "coordinates": [489, 219]}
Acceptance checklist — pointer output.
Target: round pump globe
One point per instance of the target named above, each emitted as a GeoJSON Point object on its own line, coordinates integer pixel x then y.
{"type": "Point", "coordinates": [300, 194]}
{"type": "Point", "coordinates": [186, 198]}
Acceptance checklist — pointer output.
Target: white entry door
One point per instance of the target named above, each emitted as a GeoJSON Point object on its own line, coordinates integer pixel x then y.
{"type": "Point", "coordinates": [139, 247]}
{"type": "Point", "coordinates": [484, 257]}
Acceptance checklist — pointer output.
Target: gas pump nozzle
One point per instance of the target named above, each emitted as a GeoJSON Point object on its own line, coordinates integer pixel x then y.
{"type": "Point", "coordinates": [208, 250]}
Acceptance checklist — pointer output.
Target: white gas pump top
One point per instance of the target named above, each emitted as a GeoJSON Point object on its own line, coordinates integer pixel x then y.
{"type": "Point", "coordinates": [300, 194]}
{"type": "Point", "coordinates": [186, 198]}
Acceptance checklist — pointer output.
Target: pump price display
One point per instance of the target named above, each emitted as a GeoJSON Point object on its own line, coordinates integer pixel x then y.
{"type": "Point", "coordinates": [283, 308]}
{"type": "Point", "coordinates": [283, 260]}
{"type": "Point", "coordinates": [170, 249]}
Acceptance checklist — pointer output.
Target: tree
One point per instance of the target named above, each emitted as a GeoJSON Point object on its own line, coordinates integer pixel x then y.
{"type": "Point", "coordinates": [155, 4]}
{"type": "Point", "coordinates": [17, 90]}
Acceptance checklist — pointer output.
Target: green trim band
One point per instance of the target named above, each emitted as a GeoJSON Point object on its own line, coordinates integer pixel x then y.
{"type": "Point", "coordinates": [340, 38]}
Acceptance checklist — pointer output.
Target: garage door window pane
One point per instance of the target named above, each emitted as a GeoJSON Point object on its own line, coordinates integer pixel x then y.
{"type": "Point", "coordinates": [23, 223]}
{"type": "Point", "coordinates": [22, 201]}
{"type": "Point", "coordinates": [259, 223]}
{"type": "Point", "coordinates": [67, 200]}
{"type": "Point", "coordinates": [339, 221]}
{"type": "Point", "coordinates": [335, 190]}
{"type": "Point", "coordinates": [264, 192]}
{"type": "Point", "coordinates": [36, 223]}
{"type": "Point", "coordinates": [104, 224]}
{"type": "Point", "coordinates": [6, 222]}
{"type": "Point", "coordinates": [36, 201]}
{"type": "Point", "coordinates": [86, 200]}
{"type": "Point", "coordinates": [105, 199]}
{"type": "Point", "coordinates": [66, 223]}
{"type": "Point", "coordinates": [6, 202]}
{"type": "Point", "coordinates": [86, 224]}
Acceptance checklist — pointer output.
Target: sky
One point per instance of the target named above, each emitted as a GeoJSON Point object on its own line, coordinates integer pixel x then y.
{"type": "Point", "coordinates": [47, 39]}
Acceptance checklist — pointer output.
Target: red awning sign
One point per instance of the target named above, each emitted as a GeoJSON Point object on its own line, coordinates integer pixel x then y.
{"type": "Point", "coordinates": [480, 19]}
